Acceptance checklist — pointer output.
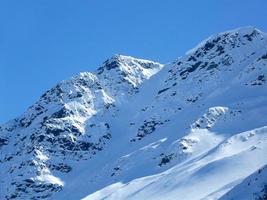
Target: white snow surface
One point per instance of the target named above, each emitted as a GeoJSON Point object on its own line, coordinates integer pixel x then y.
{"type": "Point", "coordinates": [192, 129]}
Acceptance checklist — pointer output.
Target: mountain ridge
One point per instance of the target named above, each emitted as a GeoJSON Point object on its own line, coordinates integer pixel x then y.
{"type": "Point", "coordinates": [136, 121]}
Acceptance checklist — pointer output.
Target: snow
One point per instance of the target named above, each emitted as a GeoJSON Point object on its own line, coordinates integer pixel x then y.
{"type": "Point", "coordinates": [253, 187]}
{"type": "Point", "coordinates": [41, 156]}
{"type": "Point", "coordinates": [200, 177]}
{"type": "Point", "coordinates": [192, 129]}
{"type": "Point", "coordinates": [50, 179]}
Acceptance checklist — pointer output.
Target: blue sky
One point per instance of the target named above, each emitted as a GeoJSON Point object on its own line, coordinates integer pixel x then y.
{"type": "Point", "coordinates": [45, 41]}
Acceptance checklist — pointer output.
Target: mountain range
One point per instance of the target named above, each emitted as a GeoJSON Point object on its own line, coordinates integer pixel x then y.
{"type": "Point", "coordinates": [192, 129]}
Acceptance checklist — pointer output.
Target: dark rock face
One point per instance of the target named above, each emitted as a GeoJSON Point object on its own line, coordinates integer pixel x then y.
{"type": "Point", "coordinates": [193, 99]}
{"type": "Point", "coordinates": [53, 142]}
{"type": "Point", "coordinates": [108, 65]}
{"type": "Point", "coordinates": [220, 50]}
{"type": "Point", "coordinates": [264, 56]}
{"type": "Point", "coordinates": [260, 80]}
{"type": "Point", "coordinates": [251, 36]}
{"type": "Point", "coordinates": [208, 46]}
{"type": "Point", "coordinates": [49, 135]}
{"type": "Point", "coordinates": [63, 112]}
{"type": "Point", "coordinates": [33, 190]}
{"type": "Point", "coordinates": [190, 69]}
{"type": "Point", "coordinates": [163, 90]}
{"type": "Point", "coordinates": [61, 167]}
{"type": "Point", "coordinates": [166, 159]}
{"type": "Point", "coordinates": [62, 142]}
{"type": "Point", "coordinates": [212, 65]}
{"type": "Point", "coordinates": [3, 142]}
{"type": "Point", "coordinates": [148, 127]}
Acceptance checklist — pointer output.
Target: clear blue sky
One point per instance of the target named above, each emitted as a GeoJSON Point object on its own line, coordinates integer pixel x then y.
{"type": "Point", "coordinates": [45, 41]}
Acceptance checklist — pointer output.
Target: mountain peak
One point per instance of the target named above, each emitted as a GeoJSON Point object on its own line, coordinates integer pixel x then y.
{"type": "Point", "coordinates": [123, 74]}
{"type": "Point", "coordinates": [233, 38]}
{"type": "Point", "coordinates": [125, 63]}
{"type": "Point", "coordinates": [246, 30]}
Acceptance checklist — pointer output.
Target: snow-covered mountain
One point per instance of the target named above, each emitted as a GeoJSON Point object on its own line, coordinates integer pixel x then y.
{"type": "Point", "coordinates": [195, 128]}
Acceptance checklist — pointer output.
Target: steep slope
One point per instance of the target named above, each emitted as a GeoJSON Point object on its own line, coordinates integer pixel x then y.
{"type": "Point", "coordinates": [219, 78]}
{"type": "Point", "coordinates": [253, 187]}
{"type": "Point", "coordinates": [194, 130]}
{"type": "Point", "coordinates": [65, 125]}
{"type": "Point", "coordinates": [206, 176]}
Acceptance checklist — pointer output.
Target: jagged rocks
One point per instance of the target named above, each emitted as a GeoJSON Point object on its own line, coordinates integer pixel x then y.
{"type": "Point", "coordinates": [61, 167]}
{"type": "Point", "coordinates": [264, 56]}
{"type": "Point", "coordinates": [3, 142]}
{"type": "Point", "coordinates": [260, 80]}
{"type": "Point", "coordinates": [214, 115]}
{"type": "Point", "coordinates": [31, 189]}
{"type": "Point", "coordinates": [163, 90]}
{"type": "Point", "coordinates": [148, 127]}
{"type": "Point", "coordinates": [165, 159]}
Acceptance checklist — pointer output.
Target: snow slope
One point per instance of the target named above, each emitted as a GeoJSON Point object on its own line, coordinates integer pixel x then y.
{"type": "Point", "coordinates": [194, 128]}
{"type": "Point", "coordinates": [207, 176]}
{"type": "Point", "coordinates": [253, 187]}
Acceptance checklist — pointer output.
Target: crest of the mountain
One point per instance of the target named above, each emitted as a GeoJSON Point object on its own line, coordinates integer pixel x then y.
{"type": "Point", "coordinates": [121, 75]}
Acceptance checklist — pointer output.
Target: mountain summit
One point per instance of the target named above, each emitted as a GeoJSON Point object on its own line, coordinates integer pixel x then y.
{"type": "Point", "coordinates": [192, 129]}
